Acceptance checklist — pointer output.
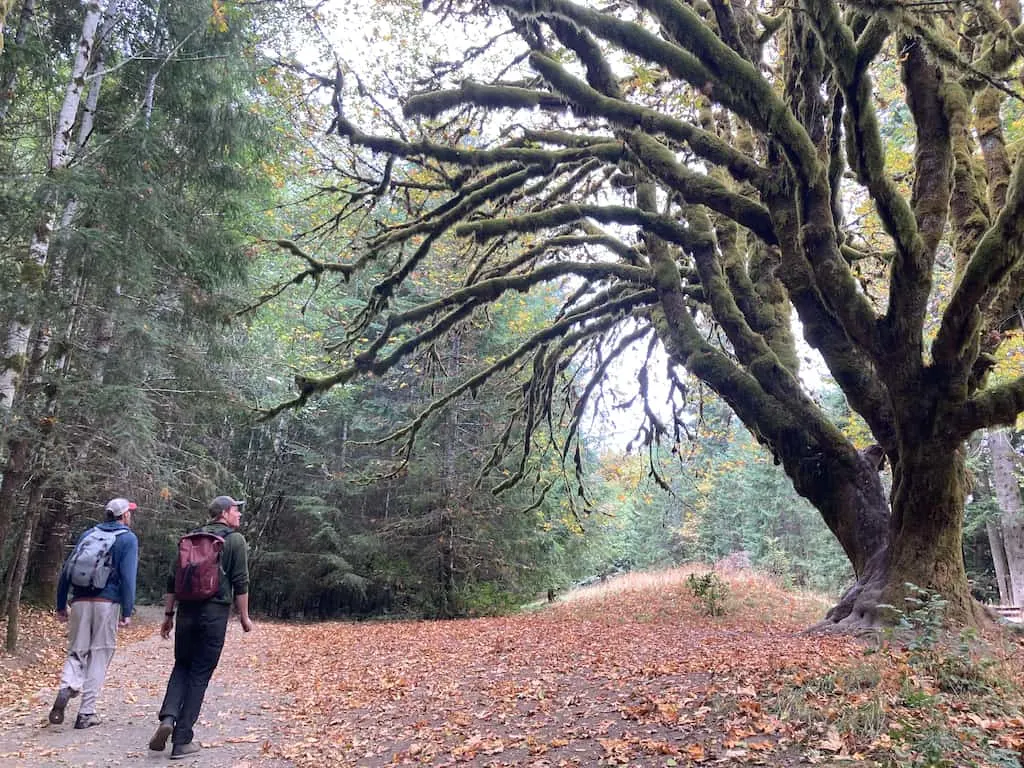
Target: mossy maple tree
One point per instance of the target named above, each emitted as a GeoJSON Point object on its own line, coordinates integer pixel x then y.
{"type": "Point", "coordinates": [691, 167]}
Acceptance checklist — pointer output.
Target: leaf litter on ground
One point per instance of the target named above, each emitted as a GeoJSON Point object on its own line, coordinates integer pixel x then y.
{"type": "Point", "coordinates": [629, 672]}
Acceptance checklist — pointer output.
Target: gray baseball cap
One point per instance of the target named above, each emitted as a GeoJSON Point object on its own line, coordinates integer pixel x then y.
{"type": "Point", "coordinates": [117, 507]}
{"type": "Point", "coordinates": [223, 504]}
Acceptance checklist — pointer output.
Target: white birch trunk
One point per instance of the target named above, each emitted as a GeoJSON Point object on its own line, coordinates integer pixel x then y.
{"type": "Point", "coordinates": [1007, 493]}
{"type": "Point", "coordinates": [147, 102]}
{"type": "Point", "coordinates": [12, 362]}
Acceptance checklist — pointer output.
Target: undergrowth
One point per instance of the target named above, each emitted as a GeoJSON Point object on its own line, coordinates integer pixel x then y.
{"type": "Point", "coordinates": [926, 697]}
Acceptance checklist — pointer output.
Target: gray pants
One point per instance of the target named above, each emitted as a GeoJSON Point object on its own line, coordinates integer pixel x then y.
{"type": "Point", "coordinates": [92, 635]}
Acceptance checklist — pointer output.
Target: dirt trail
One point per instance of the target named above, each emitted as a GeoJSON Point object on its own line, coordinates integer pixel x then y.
{"type": "Point", "coordinates": [237, 727]}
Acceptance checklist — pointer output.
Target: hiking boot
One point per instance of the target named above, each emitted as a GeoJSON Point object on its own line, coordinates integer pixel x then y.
{"type": "Point", "coordinates": [64, 695]}
{"type": "Point", "coordinates": [159, 740]}
{"type": "Point", "coordinates": [86, 721]}
{"type": "Point", "coordinates": [181, 751]}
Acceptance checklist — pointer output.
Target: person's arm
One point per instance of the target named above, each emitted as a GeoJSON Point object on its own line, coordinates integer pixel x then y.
{"type": "Point", "coordinates": [240, 579]}
{"type": "Point", "coordinates": [169, 602]}
{"type": "Point", "coordinates": [168, 625]}
{"type": "Point", "coordinates": [62, 594]}
{"type": "Point", "coordinates": [128, 568]}
{"type": "Point", "coordinates": [242, 606]}
{"type": "Point", "coordinates": [64, 584]}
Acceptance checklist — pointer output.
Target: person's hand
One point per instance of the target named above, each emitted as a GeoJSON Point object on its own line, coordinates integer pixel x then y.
{"type": "Point", "coordinates": [246, 623]}
{"type": "Point", "coordinates": [62, 615]}
{"type": "Point", "coordinates": [166, 627]}
{"type": "Point", "coordinates": [125, 621]}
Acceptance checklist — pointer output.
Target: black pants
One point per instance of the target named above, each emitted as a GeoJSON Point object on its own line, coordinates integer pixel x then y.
{"type": "Point", "coordinates": [198, 641]}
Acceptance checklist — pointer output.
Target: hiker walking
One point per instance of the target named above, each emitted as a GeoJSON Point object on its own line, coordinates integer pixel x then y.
{"type": "Point", "coordinates": [210, 572]}
{"type": "Point", "coordinates": [100, 575]}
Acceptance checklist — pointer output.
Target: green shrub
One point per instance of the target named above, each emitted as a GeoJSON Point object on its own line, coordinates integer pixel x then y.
{"type": "Point", "coordinates": [711, 590]}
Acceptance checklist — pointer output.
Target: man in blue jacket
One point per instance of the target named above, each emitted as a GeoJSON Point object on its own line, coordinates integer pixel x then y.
{"type": "Point", "coordinates": [100, 575]}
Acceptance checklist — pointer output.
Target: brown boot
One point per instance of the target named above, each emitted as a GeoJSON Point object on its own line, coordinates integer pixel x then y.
{"type": "Point", "coordinates": [159, 740]}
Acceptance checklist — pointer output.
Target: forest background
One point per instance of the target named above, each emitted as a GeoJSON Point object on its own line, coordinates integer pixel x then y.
{"type": "Point", "coordinates": [161, 185]}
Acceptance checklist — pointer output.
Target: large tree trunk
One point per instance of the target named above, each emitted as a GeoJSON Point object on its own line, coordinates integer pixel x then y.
{"type": "Point", "coordinates": [919, 543]}
{"type": "Point", "coordinates": [1011, 519]}
{"type": "Point", "coordinates": [928, 498]}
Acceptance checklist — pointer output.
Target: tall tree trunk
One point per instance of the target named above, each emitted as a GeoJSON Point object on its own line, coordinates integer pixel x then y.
{"type": "Point", "coordinates": [5, 8]}
{"type": "Point", "coordinates": [920, 541]}
{"type": "Point", "coordinates": [24, 448]}
{"type": "Point", "coordinates": [47, 555]}
{"type": "Point", "coordinates": [16, 339]}
{"type": "Point", "coordinates": [1011, 519]}
{"type": "Point", "coordinates": [15, 474]}
{"type": "Point", "coordinates": [13, 478]}
{"type": "Point", "coordinates": [995, 543]}
{"type": "Point", "coordinates": [929, 490]}
{"type": "Point", "coordinates": [18, 577]}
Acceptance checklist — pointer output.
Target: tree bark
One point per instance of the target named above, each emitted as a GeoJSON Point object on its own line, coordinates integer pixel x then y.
{"type": "Point", "coordinates": [18, 578]}
{"type": "Point", "coordinates": [995, 543]}
{"type": "Point", "coordinates": [19, 329]}
{"type": "Point", "coordinates": [47, 555]}
{"type": "Point", "coordinates": [1011, 519]}
{"type": "Point", "coordinates": [922, 548]}
{"type": "Point", "coordinates": [14, 476]}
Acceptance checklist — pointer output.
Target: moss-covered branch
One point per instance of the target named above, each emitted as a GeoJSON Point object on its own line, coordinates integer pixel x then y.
{"type": "Point", "coordinates": [595, 321]}
{"type": "Point", "coordinates": [911, 271]}
{"type": "Point", "coordinates": [704, 144]}
{"type": "Point", "coordinates": [854, 370]}
{"type": "Point", "coordinates": [314, 271]}
{"type": "Point", "coordinates": [472, 158]}
{"type": "Point", "coordinates": [488, 291]}
{"type": "Point", "coordinates": [969, 213]}
{"type": "Point", "coordinates": [911, 275]}
{"type": "Point", "coordinates": [697, 188]}
{"type": "Point", "coordinates": [707, 64]}
{"type": "Point", "coordinates": [663, 226]}
{"type": "Point", "coordinates": [751, 349]}
{"type": "Point", "coordinates": [528, 258]}
{"type": "Point", "coordinates": [993, 407]}
{"type": "Point", "coordinates": [998, 253]}
{"type": "Point", "coordinates": [496, 96]}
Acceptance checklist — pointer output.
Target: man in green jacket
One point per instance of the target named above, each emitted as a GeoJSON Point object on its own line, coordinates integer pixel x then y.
{"type": "Point", "coordinates": [199, 635]}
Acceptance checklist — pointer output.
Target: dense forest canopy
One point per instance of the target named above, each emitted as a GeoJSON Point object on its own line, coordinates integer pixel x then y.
{"type": "Point", "coordinates": [699, 172]}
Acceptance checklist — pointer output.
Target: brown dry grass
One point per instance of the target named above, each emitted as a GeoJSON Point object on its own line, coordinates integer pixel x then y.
{"type": "Point", "coordinates": [753, 596]}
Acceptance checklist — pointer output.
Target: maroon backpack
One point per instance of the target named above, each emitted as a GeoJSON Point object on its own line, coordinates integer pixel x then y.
{"type": "Point", "coordinates": [197, 573]}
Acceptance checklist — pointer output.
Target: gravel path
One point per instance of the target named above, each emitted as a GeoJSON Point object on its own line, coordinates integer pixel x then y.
{"type": "Point", "coordinates": [239, 727]}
